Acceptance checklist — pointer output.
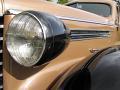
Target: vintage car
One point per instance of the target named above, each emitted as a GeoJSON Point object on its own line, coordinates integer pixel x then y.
{"type": "Point", "coordinates": [47, 46]}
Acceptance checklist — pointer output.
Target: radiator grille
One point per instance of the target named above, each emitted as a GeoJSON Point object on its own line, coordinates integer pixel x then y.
{"type": "Point", "coordinates": [1, 52]}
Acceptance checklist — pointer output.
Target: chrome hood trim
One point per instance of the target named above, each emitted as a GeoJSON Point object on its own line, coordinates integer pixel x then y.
{"type": "Point", "coordinates": [87, 21]}
{"type": "Point", "coordinates": [15, 11]}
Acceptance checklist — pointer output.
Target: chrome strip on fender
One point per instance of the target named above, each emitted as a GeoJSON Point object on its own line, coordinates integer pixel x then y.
{"type": "Point", "coordinates": [89, 34]}
{"type": "Point", "coordinates": [15, 11]}
{"type": "Point", "coordinates": [83, 20]}
{"type": "Point", "coordinates": [1, 26]}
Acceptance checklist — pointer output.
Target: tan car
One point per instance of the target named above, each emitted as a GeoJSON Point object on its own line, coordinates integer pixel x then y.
{"type": "Point", "coordinates": [48, 46]}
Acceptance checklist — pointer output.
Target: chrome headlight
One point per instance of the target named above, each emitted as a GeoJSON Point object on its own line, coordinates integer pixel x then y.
{"type": "Point", "coordinates": [34, 37]}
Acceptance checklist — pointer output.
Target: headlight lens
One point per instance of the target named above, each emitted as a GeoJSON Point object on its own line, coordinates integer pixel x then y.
{"type": "Point", "coordinates": [25, 39]}
{"type": "Point", "coordinates": [34, 38]}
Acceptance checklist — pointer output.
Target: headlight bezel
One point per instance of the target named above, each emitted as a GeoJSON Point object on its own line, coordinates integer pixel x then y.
{"type": "Point", "coordinates": [51, 36]}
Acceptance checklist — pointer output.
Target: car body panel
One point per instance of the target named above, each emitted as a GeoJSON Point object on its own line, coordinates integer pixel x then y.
{"type": "Point", "coordinates": [57, 10]}
{"type": "Point", "coordinates": [17, 77]}
{"type": "Point", "coordinates": [97, 73]}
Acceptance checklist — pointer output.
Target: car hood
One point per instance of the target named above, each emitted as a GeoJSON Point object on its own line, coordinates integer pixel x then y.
{"type": "Point", "coordinates": [60, 11]}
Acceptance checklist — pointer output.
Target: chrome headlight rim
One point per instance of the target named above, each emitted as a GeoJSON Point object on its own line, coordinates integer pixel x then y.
{"type": "Point", "coordinates": [49, 35]}
{"type": "Point", "coordinates": [44, 38]}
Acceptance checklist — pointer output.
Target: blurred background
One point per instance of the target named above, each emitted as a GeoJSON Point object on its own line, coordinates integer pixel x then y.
{"type": "Point", "coordinates": [64, 1]}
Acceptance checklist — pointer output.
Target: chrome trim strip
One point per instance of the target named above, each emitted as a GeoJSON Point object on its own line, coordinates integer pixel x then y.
{"type": "Point", "coordinates": [1, 75]}
{"type": "Point", "coordinates": [1, 15]}
{"type": "Point", "coordinates": [1, 86]}
{"type": "Point", "coordinates": [83, 20]}
{"type": "Point", "coordinates": [15, 11]}
{"type": "Point", "coordinates": [1, 38]}
{"type": "Point", "coordinates": [1, 63]}
{"type": "Point", "coordinates": [1, 26]}
{"type": "Point", "coordinates": [89, 34]}
{"type": "Point", "coordinates": [1, 51]}
{"type": "Point", "coordinates": [12, 11]}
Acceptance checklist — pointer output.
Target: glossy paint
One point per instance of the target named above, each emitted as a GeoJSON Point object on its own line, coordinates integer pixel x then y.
{"type": "Point", "coordinates": [100, 73]}
{"type": "Point", "coordinates": [17, 77]}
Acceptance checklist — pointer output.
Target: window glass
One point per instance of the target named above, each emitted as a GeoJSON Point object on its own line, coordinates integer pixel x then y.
{"type": "Point", "coordinates": [97, 8]}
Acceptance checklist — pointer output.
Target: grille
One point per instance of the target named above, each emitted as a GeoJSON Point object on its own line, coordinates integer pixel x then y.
{"type": "Point", "coordinates": [1, 52]}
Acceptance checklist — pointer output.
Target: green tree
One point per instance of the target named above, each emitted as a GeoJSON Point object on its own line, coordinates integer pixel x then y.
{"type": "Point", "coordinates": [62, 1]}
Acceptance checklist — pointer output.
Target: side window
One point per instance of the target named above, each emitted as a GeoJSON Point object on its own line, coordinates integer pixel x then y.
{"type": "Point", "coordinates": [102, 9]}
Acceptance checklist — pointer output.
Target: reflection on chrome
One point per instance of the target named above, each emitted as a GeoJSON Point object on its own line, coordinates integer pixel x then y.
{"type": "Point", "coordinates": [79, 34]}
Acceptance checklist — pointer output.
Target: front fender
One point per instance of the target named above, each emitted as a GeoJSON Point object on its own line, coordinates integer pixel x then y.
{"type": "Point", "coordinates": [101, 72]}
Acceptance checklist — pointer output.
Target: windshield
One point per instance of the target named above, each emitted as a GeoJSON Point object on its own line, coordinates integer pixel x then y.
{"type": "Point", "coordinates": [96, 8]}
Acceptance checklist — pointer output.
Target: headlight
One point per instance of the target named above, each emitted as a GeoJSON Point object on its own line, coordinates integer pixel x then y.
{"type": "Point", "coordinates": [34, 38]}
